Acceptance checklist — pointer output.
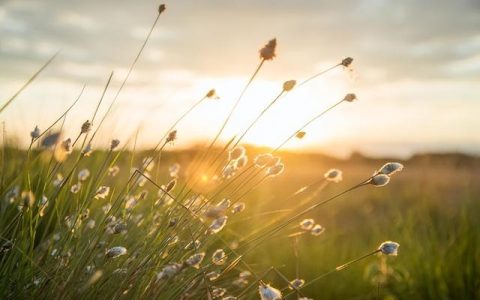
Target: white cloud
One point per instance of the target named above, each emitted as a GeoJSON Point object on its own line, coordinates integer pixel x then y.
{"type": "Point", "coordinates": [74, 19]}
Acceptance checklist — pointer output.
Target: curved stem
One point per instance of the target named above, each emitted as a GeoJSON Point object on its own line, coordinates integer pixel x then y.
{"type": "Point", "coordinates": [318, 74]}
{"type": "Point", "coordinates": [306, 124]}
{"type": "Point", "coordinates": [63, 115]}
{"type": "Point", "coordinates": [237, 103]}
{"type": "Point", "coordinates": [337, 269]}
{"type": "Point", "coordinates": [257, 118]}
{"type": "Point", "coordinates": [10, 100]}
{"type": "Point", "coordinates": [285, 223]}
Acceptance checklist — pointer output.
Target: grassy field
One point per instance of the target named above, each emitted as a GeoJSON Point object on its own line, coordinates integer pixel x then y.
{"type": "Point", "coordinates": [222, 221]}
{"type": "Point", "coordinates": [431, 209]}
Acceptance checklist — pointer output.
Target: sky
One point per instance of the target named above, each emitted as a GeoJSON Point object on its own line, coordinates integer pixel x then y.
{"type": "Point", "coordinates": [416, 71]}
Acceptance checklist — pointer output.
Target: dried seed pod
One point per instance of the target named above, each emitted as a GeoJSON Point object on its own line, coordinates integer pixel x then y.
{"type": "Point", "coordinates": [268, 51]}
{"type": "Point", "coordinates": [289, 85]}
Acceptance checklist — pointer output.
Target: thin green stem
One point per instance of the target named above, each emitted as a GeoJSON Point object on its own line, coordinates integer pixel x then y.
{"type": "Point", "coordinates": [337, 269]}
{"type": "Point", "coordinates": [26, 84]}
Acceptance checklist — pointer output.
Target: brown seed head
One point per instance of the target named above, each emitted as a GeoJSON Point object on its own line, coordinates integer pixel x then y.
{"type": "Point", "coordinates": [346, 62]}
{"type": "Point", "coordinates": [268, 51]}
{"type": "Point", "coordinates": [86, 127]}
{"type": "Point", "coordinates": [172, 136]}
{"type": "Point", "coordinates": [289, 85]}
{"type": "Point", "coordinates": [161, 8]}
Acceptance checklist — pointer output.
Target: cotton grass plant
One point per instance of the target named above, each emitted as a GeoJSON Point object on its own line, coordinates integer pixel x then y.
{"type": "Point", "coordinates": [75, 224]}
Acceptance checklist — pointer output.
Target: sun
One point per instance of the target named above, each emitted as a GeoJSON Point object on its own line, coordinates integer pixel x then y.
{"type": "Point", "coordinates": [280, 122]}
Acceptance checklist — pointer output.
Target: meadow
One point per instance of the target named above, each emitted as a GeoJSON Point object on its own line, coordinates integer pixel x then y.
{"type": "Point", "coordinates": [226, 220]}
{"type": "Point", "coordinates": [431, 209]}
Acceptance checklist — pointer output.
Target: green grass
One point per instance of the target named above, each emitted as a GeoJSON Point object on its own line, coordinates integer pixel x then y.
{"type": "Point", "coordinates": [64, 250]}
{"type": "Point", "coordinates": [431, 209]}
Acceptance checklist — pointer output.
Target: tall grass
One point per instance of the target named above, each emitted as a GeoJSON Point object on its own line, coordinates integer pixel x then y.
{"type": "Point", "coordinates": [113, 223]}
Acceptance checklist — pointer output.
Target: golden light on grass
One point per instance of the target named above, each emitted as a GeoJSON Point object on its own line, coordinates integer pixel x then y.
{"type": "Point", "coordinates": [212, 221]}
{"type": "Point", "coordinates": [204, 178]}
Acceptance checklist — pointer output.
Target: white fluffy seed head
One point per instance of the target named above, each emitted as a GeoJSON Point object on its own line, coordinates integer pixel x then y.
{"type": "Point", "coordinates": [215, 212]}
{"type": "Point", "coordinates": [389, 248]}
{"type": "Point", "coordinates": [212, 276]}
{"type": "Point", "coordinates": [217, 224]}
{"type": "Point", "coordinates": [236, 153]}
{"type": "Point", "coordinates": [219, 257]}
{"type": "Point", "coordinates": [35, 133]}
{"type": "Point", "coordinates": [195, 260]}
{"type": "Point", "coordinates": [91, 224]}
{"type": "Point", "coordinates": [238, 207]}
{"type": "Point", "coordinates": [58, 180]}
{"type": "Point", "coordinates": [116, 252]}
{"type": "Point", "coordinates": [113, 171]}
{"type": "Point", "coordinates": [245, 274]}
{"type": "Point", "coordinates": [192, 245]}
{"type": "Point", "coordinates": [274, 161]}
{"type": "Point", "coordinates": [241, 162]}
{"type": "Point", "coordinates": [51, 139]}
{"type": "Point", "coordinates": [42, 204]}
{"type": "Point", "coordinates": [87, 150]}
{"type": "Point", "coordinates": [28, 199]}
{"type": "Point", "coordinates": [218, 293]}
{"type": "Point", "coordinates": [229, 170]}
{"type": "Point", "coordinates": [224, 203]}
{"type": "Point", "coordinates": [268, 292]}
{"type": "Point", "coordinates": [334, 175]}
{"type": "Point", "coordinates": [317, 230]}
{"type": "Point", "coordinates": [307, 224]}
{"type": "Point", "coordinates": [102, 192]}
{"type": "Point", "coordinates": [174, 169]}
{"type": "Point", "coordinates": [83, 174]}
{"type": "Point", "coordinates": [379, 180]}
{"type": "Point", "coordinates": [262, 160]}
{"type": "Point", "coordinates": [169, 271]}
{"type": "Point", "coordinates": [275, 170]}
{"type": "Point", "coordinates": [296, 283]}
{"type": "Point", "coordinates": [13, 193]}
{"type": "Point", "coordinates": [390, 168]}
{"type": "Point", "coordinates": [106, 209]}
{"type": "Point", "coordinates": [76, 188]}
{"type": "Point", "coordinates": [62, 150]}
